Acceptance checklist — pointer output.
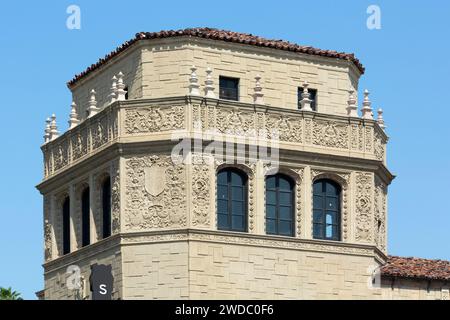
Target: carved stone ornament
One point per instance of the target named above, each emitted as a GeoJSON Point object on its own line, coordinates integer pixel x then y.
{"type": "Point", "coordinates": [152, 204]}
{"type": "Point", "coordinates": [330, 134]}
{"type": "Point", "coordinates": [153, 119]}
{"type": "Point", "coordinates": [201, 190]}
{"type": "Point", "coordinates": [115, 197]}
{"type": "Point", "coordinates": [380, 214]}
{"type": "Point", "coordinates": [364, 218]}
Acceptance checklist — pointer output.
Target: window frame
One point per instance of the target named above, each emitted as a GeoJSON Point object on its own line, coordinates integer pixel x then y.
{"type": "Point", "coordinates": [278, 204]}
{"type": "Point", "coordinates": [324, 210]}
{"type": "Point", "coordinates": [244, 176]}
{"type": "Point", "coordinates": [66, 226]}
{"type": "Point", "coordinates": [106, 208]}
{"type": "Point", "coordinates": [238, 80]}
{"type": "Point", "coordinates": [85, 217]}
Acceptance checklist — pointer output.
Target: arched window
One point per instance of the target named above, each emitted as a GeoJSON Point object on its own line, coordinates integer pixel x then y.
{"type": "Point", "coordinates": [66, 225]}
{"type": "Point", "coordinates": [106, 207]}
{"type": "Point", "coordinates": [326, 210]}
{"type": "Point", "coordinates": [280, 205]}
{"type": "Point", "coordinates": [85, 217]}
{"type": "Point", "coordinates": [232, 200]}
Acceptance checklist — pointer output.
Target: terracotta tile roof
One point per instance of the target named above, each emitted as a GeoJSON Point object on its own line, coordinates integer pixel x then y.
{"type": "Point", "coordinates": [221, 35]}
{"type": "Point", "coordinates": [417, 268]}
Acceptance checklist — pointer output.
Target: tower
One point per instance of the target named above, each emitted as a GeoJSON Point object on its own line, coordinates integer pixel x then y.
{"type": "Point", "coordinates": [209, 164]}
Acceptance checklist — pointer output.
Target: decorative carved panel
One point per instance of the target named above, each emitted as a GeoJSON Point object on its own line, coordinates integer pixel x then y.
{"type": "Point", "coordinates": [79, 144]}
{"type": "Point", "coordinates": [153, 119]}
{"type": "Point", "coordinates": [330, 134]}
{"type": "Point", "coordinates": [379, 146]}
{"type": "Point", "coordinates": [115, 197]}
{"type": "Point", "coordinates": [364, 217]}
{"type": "Point", "coordinates": [235, 121]}
{"type": "Point", "coordinates": [153, 209]}
{"type": "Point", "coordinates": [288, 128]}
{"type": "Point", "coordinates": [380, 214]}
{"type": "Point", "coordinates": [99, 132]}
{"type": "Point", "coordinates": [201, 191]}
{"type": "Point", "coordinates": [60, 155]}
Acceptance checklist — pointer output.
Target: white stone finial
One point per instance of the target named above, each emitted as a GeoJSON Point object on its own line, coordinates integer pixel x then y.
{"type": "Point", "coordinates": [53, 128]}
{"type": "Point", "coordinates": [209, 85]}
{"type": "Point", "coordinates": [380, 119]}
{"type": "Point", "coordinates": [258, 96]}
{"type": "Point", "coordinates": [47, 130]}
{"type": "Point", "coordinates": [352, 108]}
{"type": "Point", "coordinates": [193, 83]}
{"type": "Point", "coordinates": [367, 106]}
{"type": "Point", "coordinates": [121, 93]}
{"type": "Point", "coordinates": [93, 110]}
{"type": "Point", "coordinates": [73, 117]}
{"type": "Point", "coordinates": [113, 94]}
{"type": "Point", "coordinates": [305, 103]}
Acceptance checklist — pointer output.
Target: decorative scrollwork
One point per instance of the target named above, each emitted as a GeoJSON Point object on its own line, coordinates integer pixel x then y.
{"type": "Point", "coordinates": [155, 193]}
{"type": "Point", "coordinates": [364, 218]}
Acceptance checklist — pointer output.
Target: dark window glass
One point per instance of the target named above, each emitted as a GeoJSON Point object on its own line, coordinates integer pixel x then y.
{"type": "Point", "coordinates": [66, 226]}
{"type": "Point", "coordinates": [279, 205]}
{"type": "Point", "coordinates": [106, 206]}
{"type": "Point", "coordinates": [85, 217]}
{"type": "Point", "coordinates": [229, 88]}
{"type": "Point", "coordinates": [312, 96]}
{"type": "Point", "coordinates": [231, 200]}
{"type": "Point", "coordinates": [326, 210]}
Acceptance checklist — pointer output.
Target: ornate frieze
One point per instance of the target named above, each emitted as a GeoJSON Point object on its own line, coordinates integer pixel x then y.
{"type": "Point", "coordinates": [332, 133]}
{"type": "Point", "coordinates": [287, 127]}
{"type": "Point", "coordinates": [251, 240]}
{"type": "Point", "coordinates": [153, 119]}
{"type": "Point", "coordinates": [364, 216]}
{"type": "Point", "coordinates": [77, 143]}
{"type": "Point", "coordinates": [155, 192]}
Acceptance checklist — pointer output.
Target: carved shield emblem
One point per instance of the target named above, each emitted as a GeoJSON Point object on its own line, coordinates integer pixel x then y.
{"type": "Point", "coordinates": [155, 180]}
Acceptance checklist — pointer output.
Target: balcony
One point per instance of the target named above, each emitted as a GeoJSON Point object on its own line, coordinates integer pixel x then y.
{"type": "Point", "coordinates": [158, 119]}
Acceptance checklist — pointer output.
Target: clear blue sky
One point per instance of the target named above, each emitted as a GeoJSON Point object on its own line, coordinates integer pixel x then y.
{"type": "Point", "coordinates": [408, 73]}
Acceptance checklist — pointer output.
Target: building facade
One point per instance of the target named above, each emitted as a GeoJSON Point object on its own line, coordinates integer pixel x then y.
{"type": "Point", "coordinates": [211, 164]}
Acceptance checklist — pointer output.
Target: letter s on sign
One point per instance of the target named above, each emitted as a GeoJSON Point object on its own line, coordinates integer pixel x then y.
{"type": "Point", "coordinates": [103, 290]}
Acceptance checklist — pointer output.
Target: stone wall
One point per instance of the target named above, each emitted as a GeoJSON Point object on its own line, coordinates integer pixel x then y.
{"type": "Point", "coordinates": [161, 68]}
{"type": "Point", "coordinates": [57, 275]}
{"type": "Point", "coordinates": [410, 289]}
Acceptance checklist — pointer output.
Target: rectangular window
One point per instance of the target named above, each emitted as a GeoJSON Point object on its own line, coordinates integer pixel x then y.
{"type": "Point", "coordinates": [312, 96]}
{"type": "Point", "coordinates": [229, 88]}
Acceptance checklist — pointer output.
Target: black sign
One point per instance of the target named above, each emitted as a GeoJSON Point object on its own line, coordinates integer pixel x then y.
{"type": "Point", "coordinates": [101, 281]}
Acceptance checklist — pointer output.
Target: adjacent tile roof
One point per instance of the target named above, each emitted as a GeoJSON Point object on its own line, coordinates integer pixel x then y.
{"type": "Point", "coordinates": [221, 35]}
{"type": "Point", "coordinates": [417, 268]}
